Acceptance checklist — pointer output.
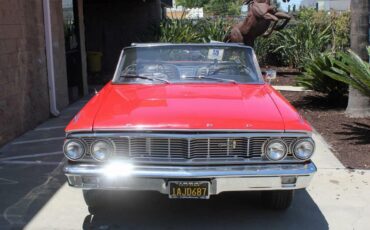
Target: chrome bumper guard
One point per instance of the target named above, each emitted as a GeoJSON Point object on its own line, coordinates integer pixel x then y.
{"type": "Point", "coordinates": [223, 178]}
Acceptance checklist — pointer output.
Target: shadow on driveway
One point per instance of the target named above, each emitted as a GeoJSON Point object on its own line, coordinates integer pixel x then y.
{"type": "Point", "coordinates": [146, 210]}
{"type": "Point", "coordinates": [31, 169]}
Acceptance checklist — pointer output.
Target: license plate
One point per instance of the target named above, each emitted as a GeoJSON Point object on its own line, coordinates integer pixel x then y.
{"type": "Point", "coordinates": [189, 189]}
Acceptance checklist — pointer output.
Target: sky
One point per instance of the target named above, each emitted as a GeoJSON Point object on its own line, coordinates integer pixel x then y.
{"type": "Point", "coordinates": [284, 5]}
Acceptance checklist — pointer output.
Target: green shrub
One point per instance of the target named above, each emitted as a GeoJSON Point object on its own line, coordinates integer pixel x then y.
{"type": "Point", "coordinates": [264, 47]}
{"type": "Point", "coordinates": [194, 31]}
{"type": "Point", "coordinates": [351, 69]}
{"type": "Point", "coordinates": [340, 30]}
{"type": "Point", "coordinates": [310, 33]}
{"type": "Point", "coordinates": [213, 30]}
{"type": "Point", "coordinates": [223, 7]}
{"type": "Point", "coordinates": [300, 42]}
{"type": "Point", "coordinates": [178, 31]}
{"type": "Point", "coordinates": [339, 25]}
{"type": "Point", "coordinates": [315, 79]}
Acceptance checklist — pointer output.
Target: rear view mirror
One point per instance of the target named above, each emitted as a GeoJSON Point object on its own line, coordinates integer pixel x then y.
{"type": "Point", "coordinates": [269, 75]}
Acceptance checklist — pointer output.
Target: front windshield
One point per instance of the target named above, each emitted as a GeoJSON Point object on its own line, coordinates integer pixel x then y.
{"type": "Point", "coordinates": [188, 63]}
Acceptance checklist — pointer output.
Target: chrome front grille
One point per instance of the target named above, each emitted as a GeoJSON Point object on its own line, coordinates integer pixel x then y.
{"type": "Point", "coordinates": [188, 148]}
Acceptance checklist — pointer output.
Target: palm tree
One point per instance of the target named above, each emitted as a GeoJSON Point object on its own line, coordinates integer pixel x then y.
{"type": "Point", "coordinates": [358, 104]}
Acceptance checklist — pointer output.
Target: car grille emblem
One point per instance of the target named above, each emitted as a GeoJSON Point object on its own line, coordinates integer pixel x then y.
{"type": "Point", "coordinates": [232, 145]}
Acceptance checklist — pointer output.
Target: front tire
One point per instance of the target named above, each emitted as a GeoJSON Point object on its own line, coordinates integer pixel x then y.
{"type": "Point", "coordinates": [94, 199]}
{"type": "Point", "coordinates": [277, 200]}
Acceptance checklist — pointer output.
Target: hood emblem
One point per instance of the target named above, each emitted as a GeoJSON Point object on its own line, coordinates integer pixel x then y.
{"type": "Point", "coordinates": [75, 119]}
{"type": "Point", "coordinates": [248, 125]}
{"type": "Point", "coordinates": [209, 125]}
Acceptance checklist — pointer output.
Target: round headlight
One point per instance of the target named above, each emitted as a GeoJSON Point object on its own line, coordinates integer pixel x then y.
{"type": "Point", "coordinates": [303, 149]}
{"type": "Point", "coordinates": [101, 150]}
{"type": "Point", "coordinates": [74, 149]}
{"type": "Point", "coordinates": [276, 150]}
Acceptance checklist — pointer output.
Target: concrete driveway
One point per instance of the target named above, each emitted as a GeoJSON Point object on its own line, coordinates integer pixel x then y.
{"type": "Point", "coordinates": [35, 195]}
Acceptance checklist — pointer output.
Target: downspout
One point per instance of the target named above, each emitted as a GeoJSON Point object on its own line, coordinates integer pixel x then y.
{"type": "Point", "coordinates": [50, 59]}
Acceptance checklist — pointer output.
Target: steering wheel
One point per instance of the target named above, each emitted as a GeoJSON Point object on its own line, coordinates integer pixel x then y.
{"type": "Point", "coordinates": [170, 70]}
{"type": "Point", "coordinates": [239, 68]}
{"type": "Point", "coordinates": [216, 71]}
{"type": "Point", "coordinates": [131, 69]}
{"type": "Point", "coordinates": [205, 69]}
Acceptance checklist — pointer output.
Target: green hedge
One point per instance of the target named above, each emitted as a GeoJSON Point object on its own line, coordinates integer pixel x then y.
{"type": "Point", "coordinates": [308, 35]}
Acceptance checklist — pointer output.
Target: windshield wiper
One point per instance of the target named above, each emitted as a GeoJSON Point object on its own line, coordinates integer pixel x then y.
{"type": "Point", "coordinates": [145, 77]}
{"type": "Point", "coordinates": [200, 77]}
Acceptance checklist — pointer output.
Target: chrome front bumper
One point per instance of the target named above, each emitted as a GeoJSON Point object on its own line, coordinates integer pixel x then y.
{"type": "Point", "coordinates": [223, 178]}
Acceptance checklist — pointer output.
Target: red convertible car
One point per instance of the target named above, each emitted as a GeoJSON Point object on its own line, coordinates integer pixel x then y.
{"type": "Point", "coordinates": [189, 121]}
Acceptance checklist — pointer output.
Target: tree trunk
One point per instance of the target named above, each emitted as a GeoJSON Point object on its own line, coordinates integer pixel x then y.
{"type": "Point", "coordinates": [358, 104]}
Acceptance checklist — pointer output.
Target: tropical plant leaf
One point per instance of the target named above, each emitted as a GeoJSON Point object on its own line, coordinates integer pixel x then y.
{"type": "Point", "coordinates": [314, 77]}
{"type": "Point", "coordinates": [352, 70]}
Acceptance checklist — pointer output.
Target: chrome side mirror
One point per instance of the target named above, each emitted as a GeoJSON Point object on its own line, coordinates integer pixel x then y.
{"type": "Point", "coordinates": [269, 75]}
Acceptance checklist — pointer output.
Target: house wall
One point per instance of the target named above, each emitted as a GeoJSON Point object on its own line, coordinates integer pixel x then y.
{"type": "Point", "coordinates": [338, 5]}
{"type": "Point", "coordinates": [327, 5]}
{"type": "Point", "coordinates": [24, 99]}
{"type": "Point", "coordinates": [112, 25]}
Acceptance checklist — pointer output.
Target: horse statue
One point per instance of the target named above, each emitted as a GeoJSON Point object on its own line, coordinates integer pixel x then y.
{"type": "Point", "coordinates": [262, 20]}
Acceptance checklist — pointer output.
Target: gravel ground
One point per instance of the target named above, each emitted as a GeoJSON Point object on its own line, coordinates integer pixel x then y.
{"type": "Point", "coordinates": [289, 80]}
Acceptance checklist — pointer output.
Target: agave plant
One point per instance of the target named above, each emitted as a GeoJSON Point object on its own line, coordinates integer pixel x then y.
{"type": "Point", "coordinates": [352, 70]}
{"type": "Point", "coordinates": [314, 78]}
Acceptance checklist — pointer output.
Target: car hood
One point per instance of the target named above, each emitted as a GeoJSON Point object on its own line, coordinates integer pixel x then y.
{"type": "Point", "coordinates": [188, 106]}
